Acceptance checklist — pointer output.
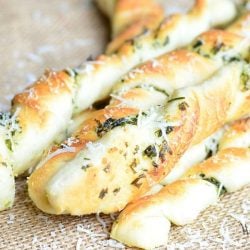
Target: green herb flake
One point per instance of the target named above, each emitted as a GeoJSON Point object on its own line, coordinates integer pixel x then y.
{"type": "Point", "coordinates": [133, 165]}
{"type": "Point", "coordinates": [197, 44]}
{"type": "Point", "coordinates": [103, 193]}
{"type": "Point", "coordinates": [109, 124]}
{"type": "Point", "coordinates": [163, 150]}
{"type": "Point", "coordinates": [137, 148]}
{"type": "Point", "coordinates": [244, 81]}
{"type": "Point", "coordinates": [155, 165]}
{"type": "Point", "coordinates": [215, 182]}
{"type": "Point", "coordinates": [183, 106]}
{"type": "Point", "coordinates": [85, 167]}
{"type": "Point", "coordinates": [116, 190]}
{"type": "Point", "coordinates": [136, 182]}
{"type": "Point", "coordinates": [166, 41]}
{"type": "Point", "coordinates": [150, 151]}
{"type": "Point", "coordinates": [8, 144]}
{"type": "Point", "coordinates": [176, 99]}
{"type": "Point", "coordinates": [217, 48]}
{"type": "Point", "coordinates": [107, 168]}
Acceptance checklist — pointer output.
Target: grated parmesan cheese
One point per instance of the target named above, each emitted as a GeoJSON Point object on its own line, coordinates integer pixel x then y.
{"type": "Point", "coordinates": [11, 218]}
{"type": "Point", "coordinates": [102, 222]}
{"type": "Point", "coordinates": [79, 244]}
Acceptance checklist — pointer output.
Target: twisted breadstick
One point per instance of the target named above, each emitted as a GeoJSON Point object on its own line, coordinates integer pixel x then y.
{"type": "Point", "coordinates": [7, 186]}
{"type": "Point", "coordinates": [45, 109]}
{"type": "Point", "coordinates": [54, 187]}
{"type": "Point", "coordinates": [124, 13]}
{"type": "Point", "coordinates": [145, 223]}
{"type": "Point", "coordinates": [130, 18]}
{"type": "Point", "coordinates": [140, 92]}
{"type": "Point", "coordinates": [166, 70]}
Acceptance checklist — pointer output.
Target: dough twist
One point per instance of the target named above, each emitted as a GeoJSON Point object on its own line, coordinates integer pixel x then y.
{"type": "Point", "coordinates": [146, 222]}
{"type": "Point", "coordinates": [142, 143]}
{"type": "Point", "coordinates": [49, 104]}
{"type": "Point", "coordinates": [130, 18]}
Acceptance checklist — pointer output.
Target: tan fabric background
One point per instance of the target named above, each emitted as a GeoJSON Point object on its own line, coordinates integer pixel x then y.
{"type": "Point", "coordinates": [35, 35]}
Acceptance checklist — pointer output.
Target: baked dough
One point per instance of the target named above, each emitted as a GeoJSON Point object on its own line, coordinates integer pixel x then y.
{"type": "Point", "coordinates": [145, 223]}
{"type": "Point", "coordinates": [118, 159]}
{"type": "Point", "coordinates": [134, 94]}
{"type": "Point", "coordinates": [130, 18]}
{"type": "Point", "coordinates": [53, 100]}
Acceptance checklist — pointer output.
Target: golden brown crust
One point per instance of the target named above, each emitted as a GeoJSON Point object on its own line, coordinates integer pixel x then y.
{"type": "Point", "coordinates": [129, 12]}
{"type": "Point", "coordinates": [217, 162]}
{"type": "Point", "coordinates": [181, 201]}
{"type": "Point", "coordinates": [189, 110]}
{"type": "Point", "coordinates": [132, 18]}
{"type": "Point", "coordinates": [49, 85]}
{"type": "Point", "coordinates": [192, 104]}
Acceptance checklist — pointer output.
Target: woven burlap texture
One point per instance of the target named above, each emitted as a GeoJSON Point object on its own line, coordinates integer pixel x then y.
{"type": "Point", "coordinates": [35, 35]}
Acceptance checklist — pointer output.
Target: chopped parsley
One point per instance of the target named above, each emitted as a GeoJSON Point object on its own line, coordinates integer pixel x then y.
{"type": "Point", "coordinates": [116, 190]}
{"type": "Point", "coordinates": [176, 99]}
{"type": "Point", "coordinates": [244, 81]}
{"type": "Point", "coordinates": [85, 167]}
{"type": "Point", "coordinates": [103, 193]}
{"type": "Point", "coordinates": [222, 190]}
{"type": "Point", "coordinates": [183, 106]}
{"type": "Point", "coordinates": [110, 123]}
{"type": "Point", "coordinates": [197, 44]}
{"type": "Point", "coordinates": [11, 124]}
{"type": "Point", "coordinates": [136, 182]}
{"type": "Point", "coordinates": [150, 151]}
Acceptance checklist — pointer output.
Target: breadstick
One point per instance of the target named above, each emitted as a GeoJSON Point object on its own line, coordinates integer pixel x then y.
{"type": "Point", "coordinates": [130, 18]}
{"type": "Point", "coordinates": [200, 69]}
{"type": "Point", "coordinates": [144, 146]}
{"type": "Point", "coordinates": [45, 109]}
{"type": "Point", "coordinates": [145, 223]}
{"type": "Point", "coordinates": [7, 186]}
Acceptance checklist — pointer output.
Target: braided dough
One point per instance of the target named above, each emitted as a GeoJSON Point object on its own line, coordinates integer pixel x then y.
{"type": "Point", "coordinates": [57, 96]}
{"type": "Point", "coordinates": [51, 186]}
{"type": "Point", "coordinates": [44, 110]}
{"type": "Point", "coordinates": [145, 223]}
{"type": "Point", "coordinates": [55, 186]}
{"type": "Point", "coordinates": [130, 18]}
{"type": "Point", "coordinates": [38, 113]}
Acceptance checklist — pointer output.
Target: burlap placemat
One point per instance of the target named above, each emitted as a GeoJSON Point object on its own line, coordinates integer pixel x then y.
{"type": "Point", "coordinates": [35, 35]}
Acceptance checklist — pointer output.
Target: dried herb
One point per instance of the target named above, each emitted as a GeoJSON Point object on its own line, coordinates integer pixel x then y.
{"type": "Point", "coordinates": [154, 88]}
{"type": "Point", "coordinates": [116, 190]}
{"type": "Point", "coordinates": [155, 165]}
{"type": "Point", "coordinates": [150, 151]}
{"type": "Point", "coordinates": [183, 106]}
{"type": "Point", "coordinates": [133, 165]}
{"type": "Point", "coordinates": [136, 181]}
{"type": "Point", "coordinates": [164, 148]}
{"type": "Point", "coordinates": [85, 167]}
{"type": "Point", "coordinates": [4, 164]}
{"type": "Point", "coordinates": [215, 182]}
{"type": "Point", "coordinates": [244, 81]}
{"type": "Point", "coordinates": [217, 48]}
{"type": "Point", "coordinates": [107, 169]}
{"type": "Point", "coordinates": [12, 126]}
{"type": "Point", "coordinates": [110, 123]}
{"type": "Point", "coordinates": [136, 149]}
{"type": "Point", "coordinates": [168, 130]}
{"type": "Point", "coordinates": [197, 44]}
{"type": "Point", "coordinates": [176, 99]}
{"type": "Point", "coordinates": [8, 144]}
{"type": "Point", "coordinates": [209, 153]}
{"type": "Point", "coordinates": [103, 193]}
{"type": "Point", "coordinates": [166, 41]}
